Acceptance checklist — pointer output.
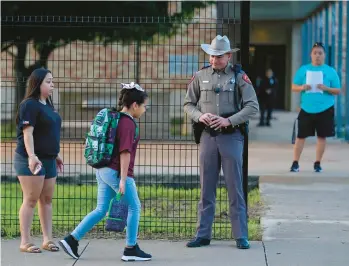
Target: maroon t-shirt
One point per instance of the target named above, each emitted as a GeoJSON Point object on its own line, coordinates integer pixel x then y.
{"type": "Point", "coordinates": [125, 141]}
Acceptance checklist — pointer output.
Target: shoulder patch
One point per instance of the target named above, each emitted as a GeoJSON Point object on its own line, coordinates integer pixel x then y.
{"type": "Point", "coordinates": [246, 79]}
{"type": "Point", "coordinates": [192, 78]}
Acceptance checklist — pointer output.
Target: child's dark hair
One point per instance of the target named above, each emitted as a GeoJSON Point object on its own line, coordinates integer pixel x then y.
{"type": "Point", "coordinates": [129, 96]}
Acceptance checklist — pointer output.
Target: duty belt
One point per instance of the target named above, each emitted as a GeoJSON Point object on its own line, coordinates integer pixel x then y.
{"type": "Point", "coordinates": [223, 130]}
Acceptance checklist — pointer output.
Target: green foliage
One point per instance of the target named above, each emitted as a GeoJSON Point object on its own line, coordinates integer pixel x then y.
{"type": "Point", "coordinates": [8, 130]}
{"type": "Point", "coordinates": [166, 212]}
{"type": "Point", "coordinates": [103, 22]}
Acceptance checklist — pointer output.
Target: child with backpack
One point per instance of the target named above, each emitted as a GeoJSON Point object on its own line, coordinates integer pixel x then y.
{"type": "Point", "coordinates": [117, 177]}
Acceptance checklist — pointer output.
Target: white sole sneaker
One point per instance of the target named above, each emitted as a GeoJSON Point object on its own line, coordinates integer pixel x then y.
{"type": "Point", "coordinates": [134, 258]}
{"type": "Point", "coordinates": [67, 248]}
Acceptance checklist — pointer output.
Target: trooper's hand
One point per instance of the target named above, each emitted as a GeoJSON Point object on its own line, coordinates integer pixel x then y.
{"type": "Point", "coordinates": [218, 122]}
{"type": "Point", "coordinates": [206, 118]}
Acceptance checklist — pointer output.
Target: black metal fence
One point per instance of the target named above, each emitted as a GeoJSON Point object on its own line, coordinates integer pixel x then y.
{"type": "Point", "coordinates": [87, 77]}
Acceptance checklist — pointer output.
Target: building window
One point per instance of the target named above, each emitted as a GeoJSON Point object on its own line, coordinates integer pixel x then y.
{"type": "Point", "coordinates": [183, 64]}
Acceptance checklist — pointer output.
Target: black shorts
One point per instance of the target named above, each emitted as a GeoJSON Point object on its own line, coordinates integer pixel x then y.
{"type": "Point", "coordinates": [322, 123]}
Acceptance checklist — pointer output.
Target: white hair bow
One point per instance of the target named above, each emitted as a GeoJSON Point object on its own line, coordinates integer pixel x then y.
{"type": "Point", "coordinates": [131, 85]}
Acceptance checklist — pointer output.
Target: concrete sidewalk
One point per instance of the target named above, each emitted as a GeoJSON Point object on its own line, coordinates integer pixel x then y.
{"type": "Point", "coordinates": [307, 220]}
{"type": "Point", "coordinates": [108, 252]}
{"type": "Point", "coordinates": [280, 130]}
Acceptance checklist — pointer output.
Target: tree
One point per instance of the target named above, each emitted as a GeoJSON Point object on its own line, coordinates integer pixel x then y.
{"type": "Point", "coordinates": [50, 25]}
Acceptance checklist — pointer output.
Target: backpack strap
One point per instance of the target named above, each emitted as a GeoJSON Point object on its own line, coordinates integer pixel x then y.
{"type": "Point", "coordinates": [237, 68]}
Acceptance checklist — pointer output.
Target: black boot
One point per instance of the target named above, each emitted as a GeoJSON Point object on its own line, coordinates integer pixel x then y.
{"type": "Point", "coordinates": [198, 242]}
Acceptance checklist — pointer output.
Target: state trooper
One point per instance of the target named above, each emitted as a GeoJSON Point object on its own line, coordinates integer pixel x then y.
{"type": "Point", "coordinates": [210, 102]}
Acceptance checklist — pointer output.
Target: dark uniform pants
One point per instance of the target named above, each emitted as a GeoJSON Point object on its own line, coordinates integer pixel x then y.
{"type": "Point", "coordinates": [226, 151]}
{"type": "Point", "coordinates": [265, 105]}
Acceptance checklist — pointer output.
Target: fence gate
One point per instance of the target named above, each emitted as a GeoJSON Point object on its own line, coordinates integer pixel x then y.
{"type": "Point", "coordinates": [87, 77]}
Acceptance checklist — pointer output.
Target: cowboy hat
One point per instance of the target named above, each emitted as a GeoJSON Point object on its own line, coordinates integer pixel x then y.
{"type": "Point", "coordinates": [219, 46]}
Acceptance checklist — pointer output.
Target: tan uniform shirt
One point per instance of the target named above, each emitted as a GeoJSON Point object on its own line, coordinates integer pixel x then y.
{"type": "Point", "coordinates": [213, 92]}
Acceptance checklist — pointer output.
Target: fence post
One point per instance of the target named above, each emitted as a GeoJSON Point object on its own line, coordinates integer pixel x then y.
{"type": "Point", "coordinates": [138, 61]}
{"type": "Point", "coordinates": [347, 80]}
{"type": "Point", "coordinates": [245, 47]}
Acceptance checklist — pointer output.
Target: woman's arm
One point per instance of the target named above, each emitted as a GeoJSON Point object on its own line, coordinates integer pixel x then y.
{"type": "Point", "coordinates": [335, 85]}
{"type": "Point", "coordinates": [300, 88]}
{"type": "Point", "coordinates": [29, 140]}
{"type": "Point", "coordinates": [29, 146]}
{"type": "Point", "coordinates": [333, 91]}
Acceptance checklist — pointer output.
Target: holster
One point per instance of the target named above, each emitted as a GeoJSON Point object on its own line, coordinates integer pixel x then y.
{"type": "Point", "coordinates": [198, 128]}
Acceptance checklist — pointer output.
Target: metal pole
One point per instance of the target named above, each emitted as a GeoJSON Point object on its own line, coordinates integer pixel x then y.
{"type": "Point", "coordinates": [138, 60]}
{"type": "Point", "coordinates": [347, 82]}
{"type": "Point", "coordinates": [245, 46]}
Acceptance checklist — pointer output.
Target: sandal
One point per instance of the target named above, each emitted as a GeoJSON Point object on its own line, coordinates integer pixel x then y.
{"type": "Point", "coordinates": [30, 248]}
{"type": "Point", "coordinates": [50, 246]}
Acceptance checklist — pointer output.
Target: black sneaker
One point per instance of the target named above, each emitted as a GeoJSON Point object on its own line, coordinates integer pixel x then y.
{"type": "Point", "coordinates": [317, 167]}
{"type": "Point", "coordinates": [135, 254]}
{"type": "Point", "coordinates": [295, 167]}
{"type": "Point", "coordinates": [70, 245]}
{"type": "Point", "coordinates": [198, 242]}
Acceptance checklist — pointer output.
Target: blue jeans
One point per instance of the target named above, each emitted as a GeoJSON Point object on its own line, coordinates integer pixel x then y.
{"type": "Point", "coordinates": [108, 185]}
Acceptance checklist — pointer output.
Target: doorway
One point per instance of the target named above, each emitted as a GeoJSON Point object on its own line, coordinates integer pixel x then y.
{"type": "Point", "coordinates": [263, 57]}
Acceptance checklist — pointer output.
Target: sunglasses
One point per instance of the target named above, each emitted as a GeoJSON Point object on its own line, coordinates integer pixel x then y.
{"type": "Point", "coordinates": [319, 44]}
{"type": "Point", "coordinates": [130, 86]}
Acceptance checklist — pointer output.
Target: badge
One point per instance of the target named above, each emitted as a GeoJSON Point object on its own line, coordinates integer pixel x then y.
{"type": "Point", "coordinates": [246, 79]}
{"type": "Point", "coordinates": [232, 81]}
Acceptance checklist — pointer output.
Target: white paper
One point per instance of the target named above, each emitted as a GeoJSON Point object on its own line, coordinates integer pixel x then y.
{"type": "Point", "coordinates": [314, 78]}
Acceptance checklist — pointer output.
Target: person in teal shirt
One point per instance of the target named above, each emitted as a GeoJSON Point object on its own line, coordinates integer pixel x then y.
{"type": "Point", "coordinates": [318, 84]}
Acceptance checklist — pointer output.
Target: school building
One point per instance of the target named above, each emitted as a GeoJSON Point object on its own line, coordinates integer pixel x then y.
{"type": "Point", "coordinates": [281, 36]}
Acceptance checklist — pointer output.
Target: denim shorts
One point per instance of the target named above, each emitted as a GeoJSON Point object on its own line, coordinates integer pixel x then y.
{"type": "Point", "coordinates": [20, 163]}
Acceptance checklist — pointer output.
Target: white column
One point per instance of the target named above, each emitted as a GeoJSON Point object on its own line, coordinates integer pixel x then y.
{"type": "Point", "coordinates": [296, 61]}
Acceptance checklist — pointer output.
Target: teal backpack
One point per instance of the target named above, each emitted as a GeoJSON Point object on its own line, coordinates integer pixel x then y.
{"type": "Point", "coordinates": [100, 140]}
